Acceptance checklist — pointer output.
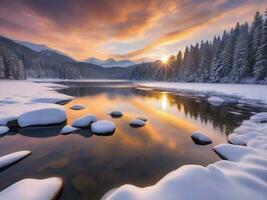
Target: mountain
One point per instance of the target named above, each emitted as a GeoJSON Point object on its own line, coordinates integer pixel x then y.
{"type": "Point", "coordinates": [40, 47]}
{"type": "Point", "coordinates": [110, 62]}
{"type": "Point", "coordinates": [20, 62]}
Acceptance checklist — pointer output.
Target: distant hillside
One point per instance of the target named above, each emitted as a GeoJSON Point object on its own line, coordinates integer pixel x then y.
{"type": "Point", "coordinates": [110, 62]}
{"type": "Point", "coordinates": [19, 62]}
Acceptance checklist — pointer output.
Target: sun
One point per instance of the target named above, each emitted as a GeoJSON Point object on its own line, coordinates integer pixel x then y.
{"type": "Point", "coordinates": [164, 59]}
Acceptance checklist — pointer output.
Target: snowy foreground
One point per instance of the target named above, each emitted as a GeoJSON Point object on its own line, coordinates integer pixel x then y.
{"type": "Point", "coordinates": [31, 103]}
{"type": "Point", "coordinates": [242, 176]}
{"type": "Point", "coordinates": [242, 93]}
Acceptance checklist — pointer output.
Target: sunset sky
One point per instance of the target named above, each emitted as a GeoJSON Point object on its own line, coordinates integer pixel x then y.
{"type": "Point", "coordinates": [122, 29]}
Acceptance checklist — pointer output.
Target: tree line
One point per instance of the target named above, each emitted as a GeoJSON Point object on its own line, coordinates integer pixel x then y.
{"type": "Point", "coordinates": [236, 56]}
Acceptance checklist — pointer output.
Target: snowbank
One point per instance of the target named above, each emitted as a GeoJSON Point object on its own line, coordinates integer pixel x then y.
{"type": "Point", "coordinates": [3, 129]}
{"type": "Point", "coordinates": [252, 132]}
{"type": "Point", "coordinates": [11, 158]}
{"type": "Point", "coordinates": [246, 92]}
{"type": "Point", "coordinates": [200, 138]}
{"type": "Point", "coordinates": [84, 121]}
{"type": "Point", "coordinates": [241, 177]}
{"type": "Point", "coordinates": [20, 97]}
{"type": "Point", "coordinates": [103, 127]}
{"type": "Point", "coordinates": [137, 123]}
{"type": "Point", "coordinates": [68, 129]}
{"type": "Point", "coordinates": [33, 189]}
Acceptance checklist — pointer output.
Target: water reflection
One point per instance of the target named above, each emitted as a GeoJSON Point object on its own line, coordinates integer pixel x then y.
{"type": "Point", "coordinates": [91, 165]}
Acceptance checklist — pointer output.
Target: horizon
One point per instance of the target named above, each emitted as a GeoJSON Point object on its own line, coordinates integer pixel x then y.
{"type": "Point", "coordinates": [141, 33]}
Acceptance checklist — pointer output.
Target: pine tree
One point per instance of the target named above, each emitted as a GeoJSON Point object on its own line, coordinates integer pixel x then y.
{"type": "Point", "coordinates": [260, 67]}
{"type": "Point", "coordinates": [204, 63]}
{"type": "Point", "coordinates": [241, 62]}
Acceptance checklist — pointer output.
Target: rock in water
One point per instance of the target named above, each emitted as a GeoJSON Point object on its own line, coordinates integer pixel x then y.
{"type": "Point", "coordinates": [216, 101]}
{"type": "Point", "coordinates": [103, 127]}
{"type": "Point", "coordinates": [43, 116]}
{"type": "Point", "coordinates": [200, 138]}
{"type": "Point", "coordinates": [33, 189]}
{"type": "Point", "coordinates": [142, 118]}
{"type": "Point", "coordinates": [12, 158]}
{"type": "Point", "coordinates": [3, 129]}
{"type": "Point", "coordinates": [77, 107]}
{"type": "Point", "coordinates": [84, 121]}
{"type": "Point", "coordinates": [68, 129]}
{"type": "Point", "coordinates": [116, 114]}
{"type": "Point", "coordinates": [137, 123]}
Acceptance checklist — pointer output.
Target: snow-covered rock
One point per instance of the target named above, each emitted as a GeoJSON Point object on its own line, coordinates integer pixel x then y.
{"type": "Point", "coordinates": [43, 115]}
{"type": "Point", "coordinates": [77, 107]}
{"type": "Point", "coordinates": [243, 177]}
{"type": "Point", "coordinates": [137, 123]}
{"type": "Point", "coordinates": [116, 114]}
{"type": "Point", "coordinates": [33, 189]}
{"type": "Point", "coordinates": [260, 118]}
{"type": "Point", "coordinates": [200, 138]}
{"type": "Point", "coordinates": [142, 118]}
{"type": "Point", "coordinates": [103, 127]}
{"type": "Point", "coordinates": [68, 129]}
{"type": "Point", "coordinates": [11, 158]}
{"type": "Point", "coordinates": [3, 129]}
{"type": "Point", "coordinates": [215, 100]}
{"type": "Point", "coordinates": [84, 121]}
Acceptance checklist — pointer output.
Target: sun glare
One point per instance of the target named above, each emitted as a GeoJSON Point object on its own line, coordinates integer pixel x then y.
{"type": "Point", "coordinates": [164, 59]}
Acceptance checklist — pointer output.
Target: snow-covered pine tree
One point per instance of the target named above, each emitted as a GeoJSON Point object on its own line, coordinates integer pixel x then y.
{"type": "Point", "coordinates": [241, 63]}
{"type": "Point", "coordinates": [260, 67]}
{"type": "Point", "coordinates": [203, 70]}
{"type": "Point", "coordinates": [255, 37]}
{"type": "Point", "coordinates": [179, 62]}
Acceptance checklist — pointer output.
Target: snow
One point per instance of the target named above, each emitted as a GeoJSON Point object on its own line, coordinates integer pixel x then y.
{"type": "Point", "coordinates": [3, 129]}
{"type": "Point", "coordinates": [103, 127]}
{"type": "Point", "coordinates": [68, 129]}
{"type": "Point", "coordinates": [246, 92]}
{"type": "Point", "coordinates": [252, 132]}
{"type": "Point", "coordinates": [43, 116]}
{"type": "Point", "coordinates": [215, 100]}
{"type": "Point", "coordinates": [12, 158]}
{"type": "Point", "coordinates": [19, 97]}
{"type": "Point", "coordinates": [116, 114]}
{"type": "Point", "coordinates": [200, 138]}
{"type": "Point", "coordinates": [84, 121]}
{"type": "Point", "coordinates": [33, 189]}
{"type": "Point", "coordinates": [77, 107]}
{"type": "Point", "coordinates": [137, 123]}
{"type": "Point", "coordinates": [241, 177]}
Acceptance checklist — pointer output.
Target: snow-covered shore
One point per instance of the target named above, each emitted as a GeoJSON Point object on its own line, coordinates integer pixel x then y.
{"type": "Point", "coordinates": [241, 177]}
{"type": "Point", "coordinates": [22, 100]}
{"type": "Point", "coordinates": [244, 93]}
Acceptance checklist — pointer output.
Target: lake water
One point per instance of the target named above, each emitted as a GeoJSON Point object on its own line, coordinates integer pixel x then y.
{"type": "Point", "coordinates": [92, 165]}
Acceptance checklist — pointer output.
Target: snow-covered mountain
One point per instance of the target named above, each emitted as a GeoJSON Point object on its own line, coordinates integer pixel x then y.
{"type": "Point", "coordinates": [41, 47]}
{"type": "Point", "coordinates": [110, 62]}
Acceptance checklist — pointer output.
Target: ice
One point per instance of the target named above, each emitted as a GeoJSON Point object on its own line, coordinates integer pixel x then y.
{"type": "Point", "coordinates": [11, 158]}
{"type": "Point", "coordinates": [68, 129]}
{"type": "Point", "coordinates": [103, 127]}
{"type": "Point", "coordinates": [3, 129]}
{"type": "Point", "coordinates": [33, 189]}
{"type": "Point", "coordinates": [84, 121]}
{"type": "Point", "coordinates": [200, 138]}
